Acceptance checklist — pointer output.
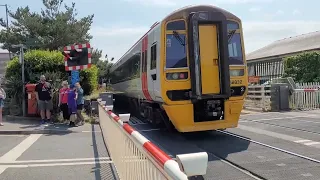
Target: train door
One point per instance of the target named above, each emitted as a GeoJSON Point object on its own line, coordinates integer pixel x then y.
{"type": "Point", "coordinates": [152, 70]}
{"type": "Point", "coordinates": [208, 41]}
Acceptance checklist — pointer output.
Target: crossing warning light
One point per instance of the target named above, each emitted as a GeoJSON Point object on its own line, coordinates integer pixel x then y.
{"type": "Point", "coordinates": [77, 57]}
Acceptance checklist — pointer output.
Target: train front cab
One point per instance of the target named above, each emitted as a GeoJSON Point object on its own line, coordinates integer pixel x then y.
{"type": "Point", "coordinates": [199, 59]}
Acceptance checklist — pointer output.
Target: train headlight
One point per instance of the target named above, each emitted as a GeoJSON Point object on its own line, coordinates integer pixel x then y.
{"type": "Point", "coordinates": [175, 76]}
{"type": "Point", "coordinates": [236, 72]}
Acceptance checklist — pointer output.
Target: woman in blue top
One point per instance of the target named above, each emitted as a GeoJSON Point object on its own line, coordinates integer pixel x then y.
{"type": "Point", "coordinates": [72, 105]}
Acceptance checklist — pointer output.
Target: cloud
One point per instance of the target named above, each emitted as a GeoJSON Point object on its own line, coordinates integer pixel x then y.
{"type": "Point", "coordinates": [296, 12]}
{"type": "Point", "coordinates": [259, 34]}
{"type": "Point", "coordinates": [254, 9]}
{"type": "Point", "coordinates": [116, 40]}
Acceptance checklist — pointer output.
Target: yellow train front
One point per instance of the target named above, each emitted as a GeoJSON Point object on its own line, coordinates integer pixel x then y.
{"type": "Point", "coordinates": [203, 68]}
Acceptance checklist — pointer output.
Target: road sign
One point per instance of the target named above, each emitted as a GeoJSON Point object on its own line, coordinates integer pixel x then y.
{"type": "Point", "coordinates": [75, 76]}
{"type": "Point", "coordinates": [77, 57]}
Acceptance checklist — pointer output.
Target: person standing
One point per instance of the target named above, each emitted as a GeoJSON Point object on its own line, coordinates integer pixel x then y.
{"type": "Point", "coordinates": [72, 105]}
{"type": "Point", "coordinates": [63, 100]}
{"type": "Point", "coordinates": [44, 98]}
{"type": "Point", "coordinates": [80, 103]}
{"type": "Point", "coordinates": [2, 97]}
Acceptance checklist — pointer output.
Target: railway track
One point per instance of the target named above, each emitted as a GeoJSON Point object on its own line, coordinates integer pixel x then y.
{"type": "Point", "coordinates": [285, 127]}
{"type": "Point", "coordinates": [247, 173]}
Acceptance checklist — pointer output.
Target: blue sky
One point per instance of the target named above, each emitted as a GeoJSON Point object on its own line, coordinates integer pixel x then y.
{"type": "Point", "coordinates": [118, 24]}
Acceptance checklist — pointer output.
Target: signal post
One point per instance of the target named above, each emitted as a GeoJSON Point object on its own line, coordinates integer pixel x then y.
{"type": "Point", "coordinates": [77, 57]}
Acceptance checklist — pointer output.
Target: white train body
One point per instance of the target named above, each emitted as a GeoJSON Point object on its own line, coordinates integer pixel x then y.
{"type": "Point", "coordinates": [143, 88]}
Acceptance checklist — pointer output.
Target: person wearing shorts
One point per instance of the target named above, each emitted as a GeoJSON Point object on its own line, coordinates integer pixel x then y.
{"type": "Point", "coordinates": [43, 95]}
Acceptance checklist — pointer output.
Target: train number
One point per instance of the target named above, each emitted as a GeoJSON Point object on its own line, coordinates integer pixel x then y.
{"type": "Point", "coordinates": [236, 82]}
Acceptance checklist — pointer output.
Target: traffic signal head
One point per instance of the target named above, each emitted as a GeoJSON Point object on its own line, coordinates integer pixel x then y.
{"type": "Point", "coordinates": [77, 57]}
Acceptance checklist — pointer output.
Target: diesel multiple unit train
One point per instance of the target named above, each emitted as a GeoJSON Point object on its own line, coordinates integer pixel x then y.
{"type": "Point", "coordinates": [188, 71]}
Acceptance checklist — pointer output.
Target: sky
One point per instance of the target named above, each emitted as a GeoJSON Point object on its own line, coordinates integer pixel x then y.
{"type": "Point", "coordinates": [118, 24]}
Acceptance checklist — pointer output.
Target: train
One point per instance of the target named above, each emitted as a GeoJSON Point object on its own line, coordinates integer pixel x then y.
{"type": "Point", "coordinates": [188, 72]}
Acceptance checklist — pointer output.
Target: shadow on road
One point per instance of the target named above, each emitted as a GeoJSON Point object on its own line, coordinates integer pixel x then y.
{"type": "Point", "coordinates": [105, 170]}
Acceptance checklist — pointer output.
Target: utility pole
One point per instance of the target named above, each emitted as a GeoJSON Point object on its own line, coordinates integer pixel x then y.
{"type": "Point", "coordinates": [21, 59]}
{"type": "Point", "coordinates": [7, 24]}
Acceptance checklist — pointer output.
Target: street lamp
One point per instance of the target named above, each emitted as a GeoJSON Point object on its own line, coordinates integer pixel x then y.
{"type": "Point", "coordinates": [21, 59]}
{"type": "Point", "coordinates": [7, 24]}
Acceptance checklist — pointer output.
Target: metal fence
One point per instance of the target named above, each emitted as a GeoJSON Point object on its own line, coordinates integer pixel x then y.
{"type": "Point", "coordinates": [136, 158]}
{"type": "Point", "coordinates": [305, 97]}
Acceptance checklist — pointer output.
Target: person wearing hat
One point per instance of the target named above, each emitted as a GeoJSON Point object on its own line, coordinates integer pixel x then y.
{"type": "Point", "coordinates": [44, 98]}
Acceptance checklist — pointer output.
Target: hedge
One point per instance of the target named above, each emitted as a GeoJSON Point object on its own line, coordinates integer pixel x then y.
{"type": "Point", "coordinates": [303, 67]}
{"type": "Point", "coordinates": [49, 63]}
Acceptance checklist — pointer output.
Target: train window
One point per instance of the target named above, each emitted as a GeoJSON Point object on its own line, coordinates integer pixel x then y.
{"type": "Point", "coordinates": [136, 66]}
{"type": "Point", "coordinates": [153, 63]}
{"type": "Point", "coordinates": [235, 50]}
{"type": "Point", "coordinates": [232, 25]}
{"type": "Point", "coordinates": [176, 56]}
{"type": "Point", "coordinates": [176, 25]}
{"type": "Point", "coordinates": [127, 71]}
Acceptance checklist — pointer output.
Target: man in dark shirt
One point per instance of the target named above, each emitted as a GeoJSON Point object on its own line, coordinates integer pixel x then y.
{"type": "Point", "coordinates": [43, 95]}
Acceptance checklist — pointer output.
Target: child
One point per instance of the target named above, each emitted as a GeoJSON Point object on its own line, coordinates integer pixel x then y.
{"type": "Point", "coordinates": [72, 105]}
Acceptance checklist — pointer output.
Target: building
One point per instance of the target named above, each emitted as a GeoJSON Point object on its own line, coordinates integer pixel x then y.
{"type": "Point", "coordinates": [266, 63]}
{"type": "Point", "coordinates": [4, 59]}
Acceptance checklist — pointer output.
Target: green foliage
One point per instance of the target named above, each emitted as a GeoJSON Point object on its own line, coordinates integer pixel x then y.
{"type": "Point", "coordinates": [49, 63]}
{"type": "Point", "coordinates": [55, 26]}
{"type": "Point", "coordinates": [89, 79]}
{"type": "Point", "coordinates": [303, 67]}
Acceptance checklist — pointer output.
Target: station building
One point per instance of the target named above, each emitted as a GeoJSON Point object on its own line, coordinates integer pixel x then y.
{"type": "Point", "coordinates": [266, 63]}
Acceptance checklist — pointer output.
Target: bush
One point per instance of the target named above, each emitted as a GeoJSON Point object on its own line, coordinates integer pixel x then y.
{"type": "Point", "coordinates": [89, 79]}
{"type": "Point", "coordinates": [303, 67]}
{"type": "Point", "coordinates": [49, 63]}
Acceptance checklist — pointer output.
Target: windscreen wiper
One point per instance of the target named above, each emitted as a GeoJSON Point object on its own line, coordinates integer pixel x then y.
{"type": "Point", "coordinates": [230, 35]}
{"type": "Point", "coordinates": [177, 36]}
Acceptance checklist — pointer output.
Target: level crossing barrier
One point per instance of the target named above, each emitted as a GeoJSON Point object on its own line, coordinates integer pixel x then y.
{"type": "Point", "coordinates": [136, 158]}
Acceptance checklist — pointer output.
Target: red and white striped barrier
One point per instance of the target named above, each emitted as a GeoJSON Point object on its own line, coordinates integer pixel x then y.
{"type": "Point", "coordinates": [307, 90]}
{"type": "Point", "coordinates": [188, 164]}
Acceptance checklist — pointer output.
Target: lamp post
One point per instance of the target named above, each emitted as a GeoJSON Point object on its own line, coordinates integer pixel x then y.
{"type": "Point", "coordinates": [21, 59]}
{"type": "Point", "coordinates": [7, 24]}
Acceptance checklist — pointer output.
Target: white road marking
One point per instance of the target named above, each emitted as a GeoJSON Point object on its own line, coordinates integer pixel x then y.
{"type": "Point", "coordinates": [55, 160]}
{"type": "Point", "coordinates": [280, 118]}
{"type": "Point", "coordinates": [302, 141]}
{"type": "Point", "coordinates": [53, 164]}
{"type": "Point", "coordinates": [311, 143]}
{"type": "Point", "coordinates": [280, 136]}
{"type": "Point", "coordinates": [89, 131]}
{"type": "Point", "coordinates": [16, 152]}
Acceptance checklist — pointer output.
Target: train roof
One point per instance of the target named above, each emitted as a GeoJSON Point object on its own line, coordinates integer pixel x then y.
{"type": "Point", "coordinates": [181, 13]}
{"type": "Point", "coordinates": [185, 11]}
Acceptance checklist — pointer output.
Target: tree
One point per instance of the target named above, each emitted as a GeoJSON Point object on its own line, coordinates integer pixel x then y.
{"type": "Point", "coordinates": [53, 28]}
{"type": "Point", "coordinates": [104, 68]}
{"type": "Point", "coordinates": [303, 67]}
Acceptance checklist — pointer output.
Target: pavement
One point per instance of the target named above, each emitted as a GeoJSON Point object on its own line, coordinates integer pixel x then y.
{"type": "Point", "coordinates": [54, 151]}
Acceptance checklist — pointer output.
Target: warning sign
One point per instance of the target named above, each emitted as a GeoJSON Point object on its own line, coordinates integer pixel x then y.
{"type": "Point", "coordinates": [254, 79]}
